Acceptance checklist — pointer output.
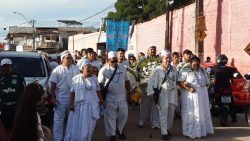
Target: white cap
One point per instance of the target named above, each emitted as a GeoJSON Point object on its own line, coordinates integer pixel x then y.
{"type": "Point", "coordinates": [112, 54]}
{"type": "Point", "coordinates": [83, 64]}
{"type": "Point", "coordinates": [65, 53]}
{"type": "Point", "coordinates": [165, 53]}
{"type": "Point", "coordinates": [6, 61]}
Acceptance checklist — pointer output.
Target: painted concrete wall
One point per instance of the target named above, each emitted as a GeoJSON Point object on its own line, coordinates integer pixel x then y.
{"type": "Point", "coordinates": [228, 32]}
{"type": "Point", "coordinates": [80, 41]}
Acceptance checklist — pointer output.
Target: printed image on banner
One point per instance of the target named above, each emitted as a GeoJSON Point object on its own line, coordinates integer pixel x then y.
{"type": "Point", "coordinates": [117, 35]}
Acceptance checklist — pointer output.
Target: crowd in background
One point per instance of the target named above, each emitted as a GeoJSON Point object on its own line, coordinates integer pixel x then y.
{"type": "Point", "coordinates": [83, 87]}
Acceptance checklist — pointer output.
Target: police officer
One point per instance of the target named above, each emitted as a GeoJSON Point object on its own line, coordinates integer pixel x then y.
{"type": "Point", "coordinates": [11, 87]}
{"type": "Point", "coordinates": [223, 75]}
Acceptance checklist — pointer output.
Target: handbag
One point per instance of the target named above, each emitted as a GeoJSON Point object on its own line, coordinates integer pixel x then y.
{"type": "Point", "coordinates": [104, 89]}
{"type": "Point", "coordinates": [157, 91]}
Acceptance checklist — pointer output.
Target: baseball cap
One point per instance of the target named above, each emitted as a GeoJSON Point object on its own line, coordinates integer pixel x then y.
{"type": "Point", "coordinates": [112, 54]}
{"type": "Point", "coordinates": [6, 61]}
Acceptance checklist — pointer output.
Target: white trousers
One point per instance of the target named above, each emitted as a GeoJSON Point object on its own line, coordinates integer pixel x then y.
{"type": "Point", "coordinates": [166, 118]}
{"type": "Point", "coordinates": [61, 112]}
{"type": "Point", "coordinates": [115, 112]}
{"type": "Point", "coordinates": [148, 107]}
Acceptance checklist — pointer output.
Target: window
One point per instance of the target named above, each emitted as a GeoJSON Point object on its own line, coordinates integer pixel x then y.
{"type": "Point", "coordinates": [28, 67]}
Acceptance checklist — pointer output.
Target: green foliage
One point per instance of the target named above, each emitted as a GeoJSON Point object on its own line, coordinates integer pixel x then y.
{"type": "Point", "coordinates": [180, 3]}
{"type": "Point", "coordinates": [143, 10]}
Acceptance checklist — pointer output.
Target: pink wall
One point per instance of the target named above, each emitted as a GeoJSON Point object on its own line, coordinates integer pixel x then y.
{"type": "Point", "coordinates": [228, 31]}
{"type": "Point", "coordinates": [151, 33]}
{"type": "Point", "coordinates": [228, 25]}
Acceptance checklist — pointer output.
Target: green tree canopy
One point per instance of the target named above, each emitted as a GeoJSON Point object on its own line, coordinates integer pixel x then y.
{"type": "Point", "coordinates": [143, 10]}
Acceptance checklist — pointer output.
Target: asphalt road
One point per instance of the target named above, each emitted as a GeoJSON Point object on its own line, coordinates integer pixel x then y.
{"type": "Point", "coordinates": [239, 131]}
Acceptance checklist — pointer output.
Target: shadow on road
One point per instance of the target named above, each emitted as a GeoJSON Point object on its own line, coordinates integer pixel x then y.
{"type": "Point", "coordinates": [233, 132]}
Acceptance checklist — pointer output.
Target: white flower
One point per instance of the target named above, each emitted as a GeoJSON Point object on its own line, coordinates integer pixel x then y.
{"type": "Point", "coordinates": [149, 63]}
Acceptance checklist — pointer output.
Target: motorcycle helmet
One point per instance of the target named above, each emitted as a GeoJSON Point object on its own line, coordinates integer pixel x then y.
{"type": "Point", "coordinates": [222, 59]}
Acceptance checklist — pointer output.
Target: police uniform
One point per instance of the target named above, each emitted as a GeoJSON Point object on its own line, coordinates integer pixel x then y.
{"type": "Point", "coordinates": [11, 87]}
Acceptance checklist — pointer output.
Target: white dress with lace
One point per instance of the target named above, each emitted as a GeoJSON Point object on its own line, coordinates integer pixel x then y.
{"type": "Point", "coordinates": [196, 117]}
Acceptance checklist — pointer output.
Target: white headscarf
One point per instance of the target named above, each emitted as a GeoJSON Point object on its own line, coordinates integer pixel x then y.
{"type": "Point", "coordinates": [83, 64]}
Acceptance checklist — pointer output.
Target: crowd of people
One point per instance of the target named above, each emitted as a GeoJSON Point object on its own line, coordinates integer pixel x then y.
{"type": "Point", "coordinates": [84, 87]}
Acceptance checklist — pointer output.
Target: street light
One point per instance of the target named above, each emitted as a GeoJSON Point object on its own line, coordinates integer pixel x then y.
{"type": "Point", "coordinates": [33, 27]}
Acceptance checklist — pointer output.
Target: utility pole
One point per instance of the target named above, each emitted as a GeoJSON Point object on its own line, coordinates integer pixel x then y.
{"type": "Point", "coordinates": [33, 28]}
{"type": "Point", "coordinates": [167, 27]}
{"type": "Point", "coordinates": [33, 36]}
{"type": "Point", "coordinates": [199, 44]}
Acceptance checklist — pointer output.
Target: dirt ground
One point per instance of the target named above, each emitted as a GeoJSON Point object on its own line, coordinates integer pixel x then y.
{"type": "Point", "coordinates": [239, 131]}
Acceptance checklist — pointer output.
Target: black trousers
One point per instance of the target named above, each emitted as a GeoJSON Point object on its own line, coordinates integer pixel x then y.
{"type": "Point", "coordinates": [7, 118]}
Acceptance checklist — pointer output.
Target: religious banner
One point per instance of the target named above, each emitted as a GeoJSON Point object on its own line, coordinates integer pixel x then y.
{"type": "Point", "coordinates": [117, 35]}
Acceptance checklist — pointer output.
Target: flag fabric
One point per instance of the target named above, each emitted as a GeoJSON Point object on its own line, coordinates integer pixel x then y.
{"type": "Point", "coordinates": [117, 35]}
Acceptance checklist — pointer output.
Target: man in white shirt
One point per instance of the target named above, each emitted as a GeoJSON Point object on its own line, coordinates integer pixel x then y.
{"type": "Point", "coordinates": [116, 107]}
{"type": "Point", "coordinates": [91, 58]}
{"type": "Point", "coordinates": [53, 62]}
{"type": "Point", "coordinates": [147, 107]}
{"type": "Point", "coordinates": [187, 55]}
{"type": "Point", "coordinates": [61, 80]}
{"type": "Point", "coordinates": [175, 59]}
{"type": "Point", "coordinates": [121, 57]}
{"type": "Point", "coordinates": [164, 79]}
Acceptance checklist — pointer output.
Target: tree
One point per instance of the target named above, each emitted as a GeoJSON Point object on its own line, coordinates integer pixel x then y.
{"type": "Point", "coordinates": [143, 10]}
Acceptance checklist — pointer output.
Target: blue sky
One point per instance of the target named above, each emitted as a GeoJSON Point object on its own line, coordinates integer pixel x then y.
{"type": "Point", "coordinates": [46, 12]}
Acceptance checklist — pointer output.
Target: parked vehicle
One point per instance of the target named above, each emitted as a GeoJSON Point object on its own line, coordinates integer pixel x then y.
{"type": "Point", "coordinates": [239, 92]}
{"type": "Point", "coordinates": [33, 66]}
{"type": "Point", "coordinates": [247, 112]}
{"type": "Point", "coordinates": [224, 102]}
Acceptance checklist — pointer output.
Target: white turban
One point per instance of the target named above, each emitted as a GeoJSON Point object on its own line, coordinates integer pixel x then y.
{"type": "Point", "coordinates": [165, 53]}
{"type": "Point", "coordinates": [84, 63]}
{"type": "Point", "coordinates": [112, 54]}
{"type": "Point", "coordinates": [65, 53]}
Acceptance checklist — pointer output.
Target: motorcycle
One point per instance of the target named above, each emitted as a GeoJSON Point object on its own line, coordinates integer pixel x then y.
{"type": "Point", "coordinates": [223, 105]}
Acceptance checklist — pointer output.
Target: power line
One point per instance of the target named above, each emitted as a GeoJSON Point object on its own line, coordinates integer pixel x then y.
{"type": "Point", "coordinates": [14, 25]}
{"type": "Point", "coordinates": [109, 7]}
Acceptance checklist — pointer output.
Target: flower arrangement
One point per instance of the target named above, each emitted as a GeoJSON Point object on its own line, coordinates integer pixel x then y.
{"type": "Point", "coordinates": [146, 67]}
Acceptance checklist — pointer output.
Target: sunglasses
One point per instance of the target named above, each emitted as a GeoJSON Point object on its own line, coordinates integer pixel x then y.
{"type": "Point", "coordinates": [113, 61]}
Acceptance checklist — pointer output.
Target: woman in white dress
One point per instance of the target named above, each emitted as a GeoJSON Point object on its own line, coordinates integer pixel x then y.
{"type": "Point", "coordinates": [196, 117]}
{"type": "Point", "coordinates": [84, 105]}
